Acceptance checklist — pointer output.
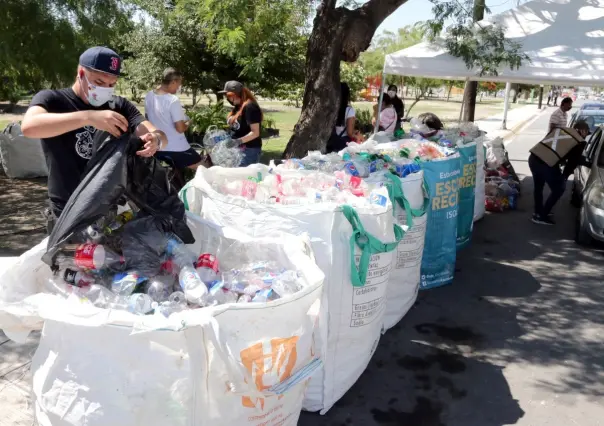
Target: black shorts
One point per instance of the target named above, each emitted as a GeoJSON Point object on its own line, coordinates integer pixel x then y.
{"type": "Point", "coordinates": [179, 160]}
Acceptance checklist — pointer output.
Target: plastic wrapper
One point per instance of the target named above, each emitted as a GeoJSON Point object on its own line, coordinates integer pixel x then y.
{"type": "Point", "coordinates": [214, 136]}
{"type": "Point", "coordinates": [493, 204]}
{"type": "Point", "coordinates": [495, 153]}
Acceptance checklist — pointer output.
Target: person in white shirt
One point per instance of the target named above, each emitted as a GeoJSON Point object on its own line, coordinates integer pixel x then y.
{"type": "Point", "coordinates": [164, 111]}
{"type": "Point", "coordinates": [559, 118]}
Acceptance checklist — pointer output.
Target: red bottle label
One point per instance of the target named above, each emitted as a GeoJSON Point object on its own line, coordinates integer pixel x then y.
{"type": "Point", "coordinates": [84, 256]}
{"type": "Point", "coordinates": [207, 260]}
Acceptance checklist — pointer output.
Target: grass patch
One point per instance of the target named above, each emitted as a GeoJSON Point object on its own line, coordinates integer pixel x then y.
{"type": "Point", "coordinates": [4, 123]}
{"type": "Point", "coordinates": [287, 117]}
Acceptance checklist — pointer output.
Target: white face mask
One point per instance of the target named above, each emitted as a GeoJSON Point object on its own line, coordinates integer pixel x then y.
{"type": "Point", "coordinates": [392, 93]}
{"type": "Point", "coordinates": [98, 96]}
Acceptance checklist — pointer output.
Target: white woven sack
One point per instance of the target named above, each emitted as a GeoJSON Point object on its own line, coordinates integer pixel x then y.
{"type": "Point", "coordinates": [21, 157]}
{"type": "Point", "coordinates": [354, 314]}
{"type": "Point", "coordinates": [479, 206]}
{"type": "Point", "coordinates": [235, 364]}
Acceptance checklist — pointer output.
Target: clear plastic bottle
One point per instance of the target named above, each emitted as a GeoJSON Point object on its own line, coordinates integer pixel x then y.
{"type": "Point", "coordinates": [125, 283]}
{"type": "Point", "coordinates": [194, 288]}
{"type": "Point", "coordinates": [160, 287]}
{"type": "Point", "coordinates": [89, 257]}
{"type": "Point", "coordinates": [98, 295]}
{"type": "Point", "coordinates": [140, 304]}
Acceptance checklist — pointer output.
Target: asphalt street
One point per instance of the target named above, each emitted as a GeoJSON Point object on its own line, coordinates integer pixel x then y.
{"type": "Point", "coordinates": [518, 339]}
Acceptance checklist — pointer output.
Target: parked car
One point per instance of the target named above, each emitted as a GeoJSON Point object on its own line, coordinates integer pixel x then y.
{"type": "Point", "coordinates": [592, 106]}
{"type": "Point", "coordinates": [588, 192]}
{"type": "Point", "coordinates": [593, 117]}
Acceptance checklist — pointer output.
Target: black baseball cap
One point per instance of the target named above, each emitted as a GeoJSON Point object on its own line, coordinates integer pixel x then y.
{"type": "Point", "coordinates": [102, 59]}
{"type": "Point", "coordinates": [232, 86]}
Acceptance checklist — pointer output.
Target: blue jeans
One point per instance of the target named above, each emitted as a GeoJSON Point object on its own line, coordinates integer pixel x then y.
{"type": "Point", "coordinates": [542, 174]}
{"type": "Point", "coordinates": [250, 156]}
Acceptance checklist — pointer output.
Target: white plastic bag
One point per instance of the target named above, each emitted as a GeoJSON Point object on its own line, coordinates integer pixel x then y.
{"type": "Point", "coordinates": [355, 314]}
{"type": "Point", "coordinates": [236, 364]}
{"type": "Point", "coordinates": [495, 153]}
{"type": "Point", "coordinates": [21, 157]}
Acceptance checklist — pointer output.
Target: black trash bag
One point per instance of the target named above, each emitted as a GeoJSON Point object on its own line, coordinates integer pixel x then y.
{"type": "Point", "coordinates": [115, 171]}
{"type": "Point", "coordinates": [143, 245]}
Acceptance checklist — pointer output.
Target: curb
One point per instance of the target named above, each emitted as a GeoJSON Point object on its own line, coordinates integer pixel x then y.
{"type": "Point", "coordinates": [523, 123]}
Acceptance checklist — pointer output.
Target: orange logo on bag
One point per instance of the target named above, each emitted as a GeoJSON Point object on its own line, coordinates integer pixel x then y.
{"type": "Point", "coordinates": [269, 363]}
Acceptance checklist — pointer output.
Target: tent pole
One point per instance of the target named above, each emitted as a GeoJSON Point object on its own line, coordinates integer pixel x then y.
{"type": "Point", "coordinates": [377, 117]}
{"type": "Point", "coordinates": [506, 105]}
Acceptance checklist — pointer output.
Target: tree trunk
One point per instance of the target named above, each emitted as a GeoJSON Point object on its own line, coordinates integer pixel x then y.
{"type": "Point", "coordinates": [540, 97]}
{"type": "Point", "coordinates": [472, 87]}
{"type": "Point", "coordinates": [470, 100]}
{"type": "Point", "coordinates": [194, 96]}
{"type": "Point", "coordinates": [411, 107]}
{"type": "Point", "coordinates": [449, 93]}
{"type": "Point", "coordinates": [338, 34]}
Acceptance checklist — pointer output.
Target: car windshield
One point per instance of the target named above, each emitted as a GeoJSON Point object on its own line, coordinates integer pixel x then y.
{"type": "Point", "coordinates": [592, 107]}
{"type": "Point", "coordinates": [593, 121]}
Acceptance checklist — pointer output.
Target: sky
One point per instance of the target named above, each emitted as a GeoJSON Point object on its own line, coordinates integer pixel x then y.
{"type": "Point", "coordinates": [421, 10]}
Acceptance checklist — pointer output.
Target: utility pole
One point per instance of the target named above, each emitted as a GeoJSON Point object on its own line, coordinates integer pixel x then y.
{"type": "Point", "coordinates": [472, 86]}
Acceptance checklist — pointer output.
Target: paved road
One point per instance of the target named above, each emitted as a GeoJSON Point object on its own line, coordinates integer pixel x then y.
{"type": "Point", "coordinates": [518, 339]}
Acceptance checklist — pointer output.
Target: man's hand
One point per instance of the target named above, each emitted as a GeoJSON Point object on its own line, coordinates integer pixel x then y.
{"type": "Point", "coordinates": [109, 121]}
{"type": "Point", "coordinates": [152, 145]}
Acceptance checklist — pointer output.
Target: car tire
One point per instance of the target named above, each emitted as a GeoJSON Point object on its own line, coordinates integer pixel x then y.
{"type": "Point", "coordinates": [582, 236]}
{"type": "Point", "coordinates": [575, 197]}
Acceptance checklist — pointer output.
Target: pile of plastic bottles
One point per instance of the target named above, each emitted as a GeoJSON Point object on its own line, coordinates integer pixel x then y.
{"type": "Point", "coordinates": [222, 154]}
{"type": "Point", "coordinates": [95, 272]}
{"type": "Point", "coordinates": [346, 186]}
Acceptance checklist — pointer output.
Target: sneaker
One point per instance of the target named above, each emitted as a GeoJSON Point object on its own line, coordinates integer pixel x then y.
{"type": "Point", "coordinates": [549, 216]}
{"type": "Point", "coordinates": [539, 220]}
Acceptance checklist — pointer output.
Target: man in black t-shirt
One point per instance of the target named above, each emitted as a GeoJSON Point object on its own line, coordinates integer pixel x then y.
{"type": "Point", "coordinates": [67, 119]}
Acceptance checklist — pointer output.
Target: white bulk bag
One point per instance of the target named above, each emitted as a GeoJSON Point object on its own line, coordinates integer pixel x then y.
{"type": "Point", "coordinates": [406, 265]}
{"type": "Point", "coordinates": [235, 364]}
{"type": "Point", "coordinates": [355, 314]}
{"type": "Point", "coordinates": [479, 206]}
{"type": "Point", "coordinates": [21, 157]}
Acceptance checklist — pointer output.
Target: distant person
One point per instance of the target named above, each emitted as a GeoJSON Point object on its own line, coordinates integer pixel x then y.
{"type": "Point", "coordinates": [398, 104]}
{"type": "Point", "coordinates": [244, 121]}
{"type": "Point", "coordinates": [562, 146]}
{"type": "Point", "coordinates": [344, 129]}
{"type": "Point", "coordinates": [556, 94]}
{"type": "Point", "coordinates": [549, 96]}
{"type": "Point", "coordinates": [387, 116]}
{"type": "Point", "coordinates": [67, 120]}
{"type": "Point", "coordinates": [164, 110]}
{"type": "Point", "coordinates": [559, 117]}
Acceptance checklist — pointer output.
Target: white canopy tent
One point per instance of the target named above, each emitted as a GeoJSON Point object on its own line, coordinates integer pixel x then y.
{"type": "Point", "coordinates": [563, 38]}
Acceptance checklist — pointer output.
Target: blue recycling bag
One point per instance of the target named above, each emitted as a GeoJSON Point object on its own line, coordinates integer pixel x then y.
{"type": "Point", "coordinates": [467, 195]}
{"type": "Point", "coordinates": [442, 181]}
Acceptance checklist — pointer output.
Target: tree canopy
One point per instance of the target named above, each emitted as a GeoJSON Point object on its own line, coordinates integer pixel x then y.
{"type": "Point", "coordinates": [42, 39]}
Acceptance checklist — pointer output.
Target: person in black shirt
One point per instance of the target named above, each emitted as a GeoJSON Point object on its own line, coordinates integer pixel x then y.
{"type": "Point", "coordinates": [244, 120]}
{"type": "Point", "coordinates": [67, 119]}
{"type": "Point", "coordinates": [398, 104]}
